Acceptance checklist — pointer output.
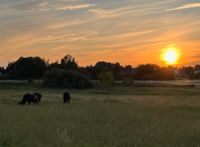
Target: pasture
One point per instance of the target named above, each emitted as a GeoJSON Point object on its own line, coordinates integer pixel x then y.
{"type": "Point", "coordinates": [110, 117]}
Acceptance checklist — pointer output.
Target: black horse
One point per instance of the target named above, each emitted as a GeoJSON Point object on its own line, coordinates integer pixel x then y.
{"type": "Point", "coordinates": [67, 97]}
{"type": "Point", "coordinates": [39, 96]}
{"type": "Point", "coordinates": [31, 98]}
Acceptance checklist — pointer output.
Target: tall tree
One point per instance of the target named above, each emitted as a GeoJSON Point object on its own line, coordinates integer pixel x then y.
{"type": "Point", "coordinates": [2, 70]}
{"type": "Point", "coordinates": [148, 72]}
{"type": "Point", "coordinates": [27, 68]}
{"type": "Point", "coordinates": [68, 62]}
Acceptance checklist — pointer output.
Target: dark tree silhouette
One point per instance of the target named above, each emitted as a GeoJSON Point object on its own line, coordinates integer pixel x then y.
{"type": "Point", "coordinates": [106, 69]}
{"type": "Point", "coordinates": [2, 70]}
{"type": "Point", "coordinates": [197, 72]}
{"type": "Point", "coordinates": [148, 72]}
{"type": "Point", "coordinates": [35, 67]}
{"type": "Point", "coordinates": [27, 68]}
{"type": "Point", "coordinates": [68, 62]}
{"type": "Point", "coordinates": [66, 79]}
{"type": "Point", "coordinates": [197, 67]}
{"type": "Point", "coordinates": [186, 72]}
{"type": "Point", "coordinates": [167, 73]}
{"type": "Point", "coordinates": [54, 65]}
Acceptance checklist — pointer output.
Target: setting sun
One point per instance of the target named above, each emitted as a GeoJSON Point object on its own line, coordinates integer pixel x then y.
{"type": "Point", "coordinates": [171, 56]}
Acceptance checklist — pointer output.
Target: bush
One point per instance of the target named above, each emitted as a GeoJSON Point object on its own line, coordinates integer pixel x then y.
{"type": "Point", "coordinates": [4, 77]}
{"type": "Point", "coordinates": [66, 79]}
{"type": "Point", "coordinates": [106, 77]}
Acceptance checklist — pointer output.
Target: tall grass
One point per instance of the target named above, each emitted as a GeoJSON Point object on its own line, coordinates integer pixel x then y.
{"type": "Point", "coordinates": [113, 117]}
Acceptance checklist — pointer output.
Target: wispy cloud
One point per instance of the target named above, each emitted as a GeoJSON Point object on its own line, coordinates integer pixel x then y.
{"type": "Point", "coordinates": [103, 13]}
{"type": "Point", "coordinates": [32, 5]}
{"type": "Point", "coordinates": [185, 6]}
{"type": "Point", "coordinates": [139, 9]}
{"type": "Point", "coordinates": [130, 31]}
{"type": "Point", "coordinates": [65, 23]}
{"type": "Point", "coordinates": [48, 5]}
{"type": "Point", "coordinates": [75, 7]}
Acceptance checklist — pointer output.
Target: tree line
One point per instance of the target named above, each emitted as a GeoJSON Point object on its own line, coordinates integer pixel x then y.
{"type": "Point", "coordinates": [30, 68]}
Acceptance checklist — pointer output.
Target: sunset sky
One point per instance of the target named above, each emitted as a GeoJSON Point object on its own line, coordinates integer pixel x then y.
{"type": "Point", "coordinates": [126, 31]}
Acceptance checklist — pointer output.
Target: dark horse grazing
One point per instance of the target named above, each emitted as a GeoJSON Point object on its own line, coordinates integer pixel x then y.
{"type": "Point", "coordinates": [66, 97]}
{"type": "Point", "coordinates": [31, 98]}
{"type": "Point", "coordinates": [39, 96]}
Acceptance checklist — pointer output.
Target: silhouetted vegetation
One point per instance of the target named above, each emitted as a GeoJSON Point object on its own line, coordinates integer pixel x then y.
{"type": "Point", "coordinates": [27, 68]}
{"type": "Point", "coordinates": [66, 78]}
{"type": "Point", "coordinates": [154, 72]}
{"type": "Point", "coordinates": [186, 72]}
{"type": "Point", "coordinates": [2, 70]}
{"type": "Point", "coordinates": [31, 68]}
{"type": "Point", "coordinates": [2, 73]}
{"type": "Point", "coordinates": [67, 62]}
{"type": "Point", "coordinates": [108, 72]}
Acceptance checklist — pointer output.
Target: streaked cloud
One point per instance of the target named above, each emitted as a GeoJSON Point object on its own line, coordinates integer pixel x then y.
{"type": "Point", "coordinates": [186, 6]}
{"type": "Point", "coordinates": [128, 31]}
{"type": "Point", "coordinates": [50, 5]}
{"type": "Point", "coordinates": [31, 5]}
{"type": "Point", "coordinates": [75, 7]}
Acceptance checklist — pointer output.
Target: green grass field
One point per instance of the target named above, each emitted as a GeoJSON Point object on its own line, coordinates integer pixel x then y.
{"type": "Point", "coordinates": [111, 117]}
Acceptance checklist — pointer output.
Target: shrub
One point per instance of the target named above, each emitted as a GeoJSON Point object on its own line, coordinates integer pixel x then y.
{"type": "Point", "coordinates": [106, 77]}
{"type": "Point", "coordinates": [66, 79]}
